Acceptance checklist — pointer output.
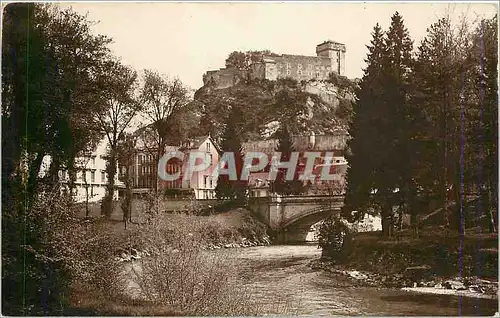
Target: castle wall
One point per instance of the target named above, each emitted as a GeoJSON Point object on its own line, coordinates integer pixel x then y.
{"type": "Point", "coordinates": [258, 70]}
{"type": "Point", "coordinates": [225, 77]}
{"type": "Point", "coordinates": [298, 67]}
{"type": "Point", "coordinates": [342, 63]}
{"type": "Point", "coordinates": [330, 58]}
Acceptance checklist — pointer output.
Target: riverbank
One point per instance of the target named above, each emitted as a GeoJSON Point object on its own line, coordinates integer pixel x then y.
{"type": "Point", "coordinates": [173, 250]}
{"type": "Point", "coordinates": [436, 262]}
{"type": "Point", "coordinates": [283, 273]}
{"type": "Point", "coordinates": [233, 229]}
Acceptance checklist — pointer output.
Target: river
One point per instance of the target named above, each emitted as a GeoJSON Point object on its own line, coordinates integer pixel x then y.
{"type": "Point", "coordinates": [281, 280]}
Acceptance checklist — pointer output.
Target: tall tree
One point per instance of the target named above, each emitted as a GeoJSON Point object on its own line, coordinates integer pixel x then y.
{"type": "Point", "coordinates": [50, 60]}
{"type": "Point", "coordinates": [435, 72]}
{"type": "Point", "coordinates": [125, 157]}
{"type": "Point", "coordinates": [364, 142]}
{"type": "Point", "coordinates": [405, 118]}
{"type": "Point", "coordinates": [234, 190]}
{"type": "Point", "coordinates": [449, 87]}
{"type": "Point", "coordinates": [378, 176]}
{"type": "Point", "coordinates": [119, 96]}
{"type": "Point", "coordinates": [483, 58]}
{"type": "Point", "coordinates": [162, 99]}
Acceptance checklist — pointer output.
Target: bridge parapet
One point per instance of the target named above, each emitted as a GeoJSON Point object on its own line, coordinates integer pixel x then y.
{"type": "Point", "coordinates": [283, 211]}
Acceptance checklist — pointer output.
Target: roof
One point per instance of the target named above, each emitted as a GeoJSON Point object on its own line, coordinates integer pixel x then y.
{"type": "Point", "coordinates": [198, 141]}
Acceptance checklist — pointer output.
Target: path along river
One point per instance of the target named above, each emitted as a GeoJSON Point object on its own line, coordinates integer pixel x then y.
{"type": "Point", "coordinates": [281, 275]}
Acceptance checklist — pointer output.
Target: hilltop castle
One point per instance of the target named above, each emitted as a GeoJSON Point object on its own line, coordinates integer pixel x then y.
{"type": "Point", "coordinates": [330, 57]}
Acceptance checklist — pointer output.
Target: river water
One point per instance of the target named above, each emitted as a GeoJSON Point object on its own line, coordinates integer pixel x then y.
{"type": "Point", "coordinates": [281, 280]}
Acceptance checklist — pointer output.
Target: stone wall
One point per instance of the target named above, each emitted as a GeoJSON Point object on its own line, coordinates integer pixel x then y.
{"type": "Point", "coordinates": [298, 67]}
{"type": "Point", "coordinates": [223, 78]}
{"type": "Point", "coordinates": [330, 58]}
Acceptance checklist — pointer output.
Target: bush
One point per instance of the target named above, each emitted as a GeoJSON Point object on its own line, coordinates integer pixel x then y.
{"type": "Point", "coordinates": [184, 277]}
{"type": "Point", "coordinates": [59, 251]}
{"type": "Point", "coordinates": [335, 239]}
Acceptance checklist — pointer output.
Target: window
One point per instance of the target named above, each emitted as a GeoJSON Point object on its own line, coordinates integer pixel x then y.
{"type": "Point", "coordinates": [211, 183]}
{"type": "Point", "coordinates": [299, 72]}
{"type": "Point", "coordinates": [205, 181]}
{"type": "Point", "coordinates": [288, 65]}
{"type": "Point", "coordinates": [318, 74]}
{"type": "Point", "coordinates": [208, 146]}
{"type": "Point", "coordinates": [93, 161]}
{"type": "Point", "coordinates": [63, 175]}
{"type": "Point", "coordinates": [92, 176]}
{"type": "Point", "coordinates": [288, 71]}
{"type": "Point", "coordinates": [103, 176]}
{"type": "Point", "coordinates": [299, 66]}
{"type": "Point", "coordinates": [309, 66]}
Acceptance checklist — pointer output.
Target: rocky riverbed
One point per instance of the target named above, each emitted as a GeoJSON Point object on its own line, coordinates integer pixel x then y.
{"type": "Point", "coordinates": [415, 279]}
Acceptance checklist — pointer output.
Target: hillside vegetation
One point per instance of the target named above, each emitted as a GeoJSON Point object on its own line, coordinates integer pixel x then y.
{"type": "Point", "coordinates": [321, 107]}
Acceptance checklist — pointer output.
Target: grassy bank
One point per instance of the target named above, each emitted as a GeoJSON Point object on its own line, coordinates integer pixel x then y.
{"type": "Point", "coordinates": [436, 260]}
{"type": "Point", "coordinates": [443, 251]}
{"type": "Point", "coordinates": [176, 277]}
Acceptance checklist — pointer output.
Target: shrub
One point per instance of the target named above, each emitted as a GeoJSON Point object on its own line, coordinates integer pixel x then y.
{"type": "Point", "coordinates": [335, 238]}
{"type": "Point", "coordinates": [182, 276]}
{"type": "Point", "coordinates": [60, 250]}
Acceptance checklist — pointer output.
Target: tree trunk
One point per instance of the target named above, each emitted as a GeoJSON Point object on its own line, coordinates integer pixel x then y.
{"type": "Point", "coordinates": [107, 201]}
{"type": "Point", "coordinates": [34, 170]}
{"type": "Point", "coordinates": [387, 220]}
{"type": "Point", "coordinates": [87, 211]}
{"type": "Point", "coordinates": [492, 207]}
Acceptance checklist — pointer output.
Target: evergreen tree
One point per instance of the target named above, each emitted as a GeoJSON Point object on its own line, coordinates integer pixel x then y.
{"type": "Point", "coordinates": [402, 118]}
{"type": "Point", "coordinates": [380, 166]}
{"type": "Point", "coordinates": [286, 148]}
{"type": "Point", "coordinates": [484, 124]}
{"type": "Point", "coordinates": [234, 190]}
{"type": "Point", "coordinates": [361, 146]}
{"type": "Point", "coordinates": [435, 78]}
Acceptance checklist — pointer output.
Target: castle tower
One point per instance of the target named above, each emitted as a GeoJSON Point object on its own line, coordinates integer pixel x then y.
{"type": "Point", "coordinates": [336, 52]}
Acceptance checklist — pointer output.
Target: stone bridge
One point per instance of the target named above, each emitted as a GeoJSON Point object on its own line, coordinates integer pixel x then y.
{"type": "Point", "coordinates": [293, 216]}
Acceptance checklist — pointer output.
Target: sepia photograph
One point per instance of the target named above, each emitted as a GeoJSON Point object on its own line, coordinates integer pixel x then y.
{"type": "Point", "coordinates": [249, 159]}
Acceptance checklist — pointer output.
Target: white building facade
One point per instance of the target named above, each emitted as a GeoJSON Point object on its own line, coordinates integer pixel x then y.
{"type": "Point", "coordinates": [91, 176]}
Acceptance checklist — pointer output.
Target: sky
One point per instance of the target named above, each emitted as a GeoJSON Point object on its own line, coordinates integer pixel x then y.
{"type": "Point", "coordinates": [185, 40]}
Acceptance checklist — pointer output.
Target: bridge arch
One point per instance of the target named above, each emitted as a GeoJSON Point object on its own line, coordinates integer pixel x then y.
{"type": "Point", "coordinates": [292, 216]}
{"type": "Point", "coordinates": [296, 229]}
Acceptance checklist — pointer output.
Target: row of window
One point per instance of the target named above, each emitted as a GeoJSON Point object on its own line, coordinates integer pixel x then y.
{"type": "Point", "coordinates": [147, 169]}
{"type": "Point", "coordinates": [80, 176]}
{"type": "Point", "coordinates": [175, 184]}
{"type": "Point", "coordinates": [144, 158]}
{"type": "Point", "coordinates": [208, 182]}
{"type": "Point", "coordinates": [299, 72]}
{"type": "Point", "coordinates": [145, 181]}
{"type": "Point", "coordinates": [207, 194]}
{"type": "Point", "coordinates": [309, 67]}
